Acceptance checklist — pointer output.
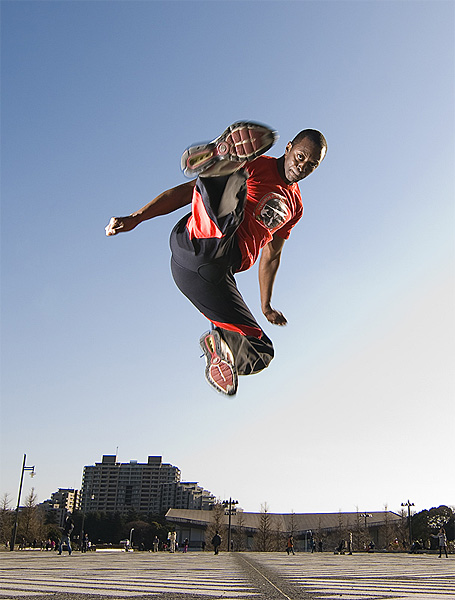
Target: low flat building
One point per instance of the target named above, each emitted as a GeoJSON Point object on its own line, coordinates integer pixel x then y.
{"type": "Point", "coordinates": [328, 528]}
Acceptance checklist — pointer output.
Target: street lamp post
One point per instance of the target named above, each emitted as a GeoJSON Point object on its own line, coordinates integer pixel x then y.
{"type": "Point", "coordinates": [131, 537]}
{"type": "Point", "coordinates": [409, 504]}
{"type": "Point", "coordinates": [366, 515]}
{"type": "Point", "coordinates": [230, 511]}
{"type": "Point", "coordinates": [32, 474]}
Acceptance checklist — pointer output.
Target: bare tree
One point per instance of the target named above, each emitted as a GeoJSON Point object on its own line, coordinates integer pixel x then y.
{"type": "Point", "coordinates": [6, 519]}
{"type": "Point", "coordinates": [31, 520]}
{"type": "Point", "coordinates": [279, 539]}
{"type": "Point", "coordinates": [239, 532]}
{"type": "Point", "coordinates": [217, 525]}
{"type": "Point", "coordinates": [292, 524]}
{"type": "Point", "coordinates": [342, 531]}
{"type": "Point", "coordinates": [264, 538]}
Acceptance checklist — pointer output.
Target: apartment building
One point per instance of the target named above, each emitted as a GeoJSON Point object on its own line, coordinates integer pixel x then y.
{"type": "Point", "coordinates": [187, 495]}
{"type": "Point", "coordinates": [151, 487]}
{"type": "Point", "coordinates": [60, 502]}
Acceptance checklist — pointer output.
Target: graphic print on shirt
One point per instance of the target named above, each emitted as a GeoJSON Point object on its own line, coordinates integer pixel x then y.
{"type": "Point", "coordinates": [272, 211]}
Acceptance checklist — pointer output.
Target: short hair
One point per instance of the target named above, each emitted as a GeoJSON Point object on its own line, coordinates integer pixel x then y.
{"type": "Point", "coordinates": [312, 134]}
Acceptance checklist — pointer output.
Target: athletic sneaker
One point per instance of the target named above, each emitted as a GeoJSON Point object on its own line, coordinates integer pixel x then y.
{"type": "Point", "coordinates": [220, 371]}
{"type": "Point", "coordinates": [238, 144]}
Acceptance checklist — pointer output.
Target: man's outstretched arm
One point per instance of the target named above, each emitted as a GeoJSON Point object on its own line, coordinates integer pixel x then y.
{"type": "Point", "coordinates": [268, 267]}
{"type": "Point", "coordinates": [165, 203]}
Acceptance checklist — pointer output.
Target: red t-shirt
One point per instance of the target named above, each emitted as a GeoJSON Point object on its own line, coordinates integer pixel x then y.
{"type": "Point", "coordinates": [272, 207]}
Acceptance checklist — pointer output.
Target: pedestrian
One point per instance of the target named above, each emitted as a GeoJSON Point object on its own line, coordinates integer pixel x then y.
{"type": "Point", "coordinates": [185, 545]}
{"type": "Point", "coordinates": [156, 543]}
{"type": "Point", "coordinates": [172, 541]}
{"type": "Point", "coordinates": [341, 547]}
{"type": "Point", "coordinates": [66, 534]}
{"type": "Point", "coordinates": [442, 541]}
{"type": "Point", "coordinates": [243, 205]}
{"type": "Point", "coordinates": [216, 542]}
{"type": "Point", "coordinates": [290, 545]}
{"type": "Point", "coordinates": [85, 543]}
{"type": "Point", "coordinates": [350, 543]}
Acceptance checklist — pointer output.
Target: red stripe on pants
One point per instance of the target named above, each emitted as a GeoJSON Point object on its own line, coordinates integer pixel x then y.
{"type": "Point", "coordinates": [242, 329]}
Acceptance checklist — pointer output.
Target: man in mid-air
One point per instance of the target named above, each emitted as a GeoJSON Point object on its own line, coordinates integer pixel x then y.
{"type": "Point", "coordinates": [243, 205]}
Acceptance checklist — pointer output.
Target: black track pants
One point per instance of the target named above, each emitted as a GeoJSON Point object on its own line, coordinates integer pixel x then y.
{"type": "Point", "coordinates": [205, 257]}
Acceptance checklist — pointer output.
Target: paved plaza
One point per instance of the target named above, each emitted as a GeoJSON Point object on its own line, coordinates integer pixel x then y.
{"type": "Point", "coordinates": [203, 576]}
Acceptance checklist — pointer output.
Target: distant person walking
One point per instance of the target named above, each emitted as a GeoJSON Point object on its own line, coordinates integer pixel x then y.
{"type": "Point", "coordinates": [290, 545]}
{"type": "Point", "coordinates": [350, 543]}
{"type": "Point", "coordinates": [66, 534]}
{"type": "Point", "coordinates": [172, 541]}
{"type": "Point", "coordinates": [216, 542]}
{"type": "Point", "coordinates": [442, 541]}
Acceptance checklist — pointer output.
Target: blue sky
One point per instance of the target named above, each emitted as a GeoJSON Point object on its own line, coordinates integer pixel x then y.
{"type": "Point", "coordinates": [99, 348]}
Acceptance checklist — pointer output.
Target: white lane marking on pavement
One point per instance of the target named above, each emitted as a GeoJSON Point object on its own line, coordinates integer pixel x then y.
{"type": "Point", "coordinates": [125, 576]}
{"type": "Point", "coordinates": [398, 577]}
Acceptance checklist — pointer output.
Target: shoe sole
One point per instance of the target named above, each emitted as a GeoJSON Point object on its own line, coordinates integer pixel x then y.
{"type": "Point", "coordinates": [239, 143]}
{"type": "Point", "coordinates": [219, 372]}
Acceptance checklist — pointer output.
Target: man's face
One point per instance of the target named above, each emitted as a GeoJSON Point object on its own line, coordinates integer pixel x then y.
{"type": "Point", "coordinates": [301, 159]}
